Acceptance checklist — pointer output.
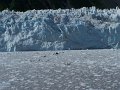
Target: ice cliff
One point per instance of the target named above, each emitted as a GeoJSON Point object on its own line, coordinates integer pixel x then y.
{"type": "Point", "coordinates": [37, 30]}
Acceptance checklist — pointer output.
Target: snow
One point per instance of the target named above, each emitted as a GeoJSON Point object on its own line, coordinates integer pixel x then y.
{"type": "Point", "coordinates": [75, 29]}
{"type": "Point", "coordinates": [60, 70]}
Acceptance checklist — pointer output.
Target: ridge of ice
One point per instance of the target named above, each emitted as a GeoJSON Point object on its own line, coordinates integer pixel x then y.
{"type": "Point", "coordinates": [36, 30]}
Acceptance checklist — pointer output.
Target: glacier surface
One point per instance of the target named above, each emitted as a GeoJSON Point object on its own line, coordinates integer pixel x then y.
{"type": "Point", "coordinates": [75, 29]}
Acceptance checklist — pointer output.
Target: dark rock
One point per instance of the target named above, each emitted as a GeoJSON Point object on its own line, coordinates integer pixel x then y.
{"type": "Point", "coordinates": [23, 5]}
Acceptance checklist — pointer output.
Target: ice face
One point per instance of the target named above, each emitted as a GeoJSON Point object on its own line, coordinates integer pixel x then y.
{"type": "Point", "coordinates": [36, 30]}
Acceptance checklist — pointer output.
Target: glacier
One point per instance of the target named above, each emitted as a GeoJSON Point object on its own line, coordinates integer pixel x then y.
{"type": "Point", "coordinates": [62, 29]}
